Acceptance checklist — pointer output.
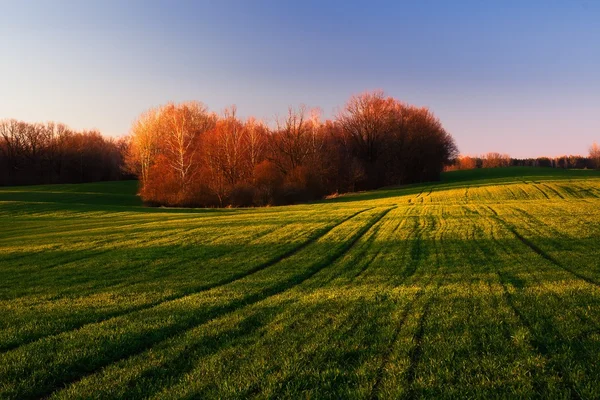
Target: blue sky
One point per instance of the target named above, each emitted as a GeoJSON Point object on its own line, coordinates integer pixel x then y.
{"type": "Point", "coordinates": [521, 77]}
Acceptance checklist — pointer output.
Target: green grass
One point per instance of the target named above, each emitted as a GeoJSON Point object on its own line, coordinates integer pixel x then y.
{"type": "Point", "coordinates": [484, 285]}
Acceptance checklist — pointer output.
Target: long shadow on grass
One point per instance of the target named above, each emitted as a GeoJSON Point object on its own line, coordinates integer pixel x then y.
{"type": "Point", "coordinates": [395, 335]}
{"type": "Point", "coordinates": [554, 238]}
{"type": "Point", "coordinates": [549, 340]}
{"type": "Point", "coordinates": [553, 191]}
{"type": "Point", "coordinates": [330, 364]}
{"type": "Point", "coordinates": [544, 343]}
{"type": "Point", "coordinates": [52, 259]}
{"type": "Point", "coordinates": [362, 256]}
{"type": "Point", "coordinates": [168, 242]}
{"type": "Point", "coordinates": [418, 253]}
{"type": "Point", "coordinates": [541, 252]}
{"type": "Point", "coordinates": [115, 351]}
{"type": "Point", "coordinates": [416, 352]}
{"type": "Point", "coordinates": [195, 289]}
{"type": "Point", "coordinates": [172, 367]}
{"type": "Point", "coordinates": [291, 327]}
{"type": "Point", "coordinates": [67, 227]}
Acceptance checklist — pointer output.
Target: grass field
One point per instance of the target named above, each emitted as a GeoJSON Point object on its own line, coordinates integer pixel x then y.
{"type": "Point", "coordinates": [484, 285]}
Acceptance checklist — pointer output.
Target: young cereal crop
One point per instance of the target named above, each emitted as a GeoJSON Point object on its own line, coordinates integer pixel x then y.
{"type": "Point", "coordinates": [484, 285]}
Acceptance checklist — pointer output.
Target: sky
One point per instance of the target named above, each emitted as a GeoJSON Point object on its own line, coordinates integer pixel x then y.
{"type": "Point", "coordinates": [516, 77]}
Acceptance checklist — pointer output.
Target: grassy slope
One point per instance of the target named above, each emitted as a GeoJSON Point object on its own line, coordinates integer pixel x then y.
{"type": "Point", "coordinates": [486, 284]}
{"type": "Point", "coordinates": [121, 193]}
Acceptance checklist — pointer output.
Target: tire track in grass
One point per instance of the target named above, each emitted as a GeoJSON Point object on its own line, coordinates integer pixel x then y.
{"type": "Point", "coordinates": [561, 242]}
{"type": "Point", "coordinates": [294, 282]}
{"type": "Point", "coordinates": [364, 249]}
{"type": "Point", "coordinates": [255, 388]}
{"type": "Point", "coordinates": [170, 369]}
{"type": "Point", "coordinates": [88, 228]}
{"type": "Point", "coordinates": [186, 231]}
{"type": "Point", "coordinates": [74, 225]}
{"type": "Point", "coordinates": [75, 256]}
{"type": "Point", "coordinates": [416, 352]}
{"type": "Point", "coordinates": [386, 358]}
{"type": "Point", "coordinates": [514, 196]}
{"type": "Point", "coordinates": [313, 238]}
{"type": "Point", "coordinates": [110, 315]}
{"type": "Point", "coordinates": [533, 247]}
{"type": "Point", "coordinates": [417, 253]}
{"type": "Point", "coordinates": [572, 191]}
{"type": "Point", "coordinates": [171, 223]}
{"type": "Point", "coordinates": [410, 200]}
{"type": "Point", "coordinates": [525, 194]}
{"type": "Point", "coordinates": [540, 190]}
{"type": "Point", "coordinates": [371, 239]}
{"type": "Point", "coordinates": [553, 191]}
{"type": "Point", "coordinates": [366, 265]}
{"type": "Point", "coordinates": [537, 222]}
{"type": "Point", "coordinates": [105, 242]}
{"type": "Point", "coordinates": [356, 321]}
{"type": "Point", "coordinates": [508, 299]}
{"type": "Point", "coordinates": [490, 257]}
{"type": "Point", "coordinates": [83, 367]}
{"type": "Point", "coordinates": [471, 278]}
{"type": "Point", "coordinates": [539, 346]}
{"type": "Point", "coordinates": [534, 221]}
{"type": "Point", "coordinates": [371, 259]}
{"type": "Point", "coordinates": [415, 248]}
{"type": "Point", "coordinates": [590, 192]}
{"type": "Point", "coordinates": [185, 362]}
{"type": "Point", "coordinates": [518, 283]}
{"type": "Point", "coordinates": [549, 327]}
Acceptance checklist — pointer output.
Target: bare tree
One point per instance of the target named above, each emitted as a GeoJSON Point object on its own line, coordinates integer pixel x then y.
{"type": "Point", "coordinates": [295, 138]}
{"type": "Point", "coordinates": [495, 160]}
{"type": "Point", "coordinates": [255, 139]}
{"type": "Point", "coordinates": [34, 153]}
{"type": "Point", "coordinates": [204, 160]}
{"type": "Point", "coordinates": [595, 155]}
{"type": "Point", "coordinates": [144, 143]}
{"type": "Point", "coordinates": [12, 144]}
{"type": "Point", "coordinates": [181, 127]}
{"type": "Point", "coordinates": [367, 119]}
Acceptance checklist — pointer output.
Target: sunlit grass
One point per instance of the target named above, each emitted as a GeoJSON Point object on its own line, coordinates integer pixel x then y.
{"type": "Point", "coordinates": [471, 287]}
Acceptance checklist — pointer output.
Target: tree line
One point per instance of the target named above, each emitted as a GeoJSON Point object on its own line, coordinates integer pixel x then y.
{"type": "Point", "coordinates": [496, 160]}
{"type": "Point", "coordinates": [185, 155]}
{"type": "Point", "coordinates": [41, 153]}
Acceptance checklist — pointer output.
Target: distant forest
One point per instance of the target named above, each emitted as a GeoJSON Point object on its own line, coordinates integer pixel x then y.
{"type": "Point", "coordinates": [185, 155]}
{"type": "Point", "coordinates": [39, 153]}
{"type": "Point", "coordinates": [495, 160]}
